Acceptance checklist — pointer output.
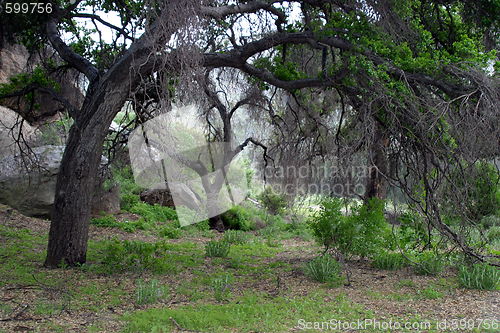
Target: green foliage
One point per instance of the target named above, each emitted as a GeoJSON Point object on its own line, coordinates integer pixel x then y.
{"type": "Point", "coordinates": [170, 232]}
{"type": "Point", "coordinates": [324, 269]}
{"type": "Point", "coordinates": [430, 292]}
{"type": "Point", "coordinates": [479, 185]}
{"type": "Point", "coordinates": [236, 237]}
{"type": "Point", "coordinates": [388, 260]}
{"type": "Point", "coordinates": [238, 218]}
{"type": "Point", "coordinates": [490, 221]}
{"type": "Point", "coordinates": [412, 232]}
{"type": "Point", "coordinates": [428, 264]}
{"type": "Point", "coordinates": [106, 221]}
{"type": "Point", "coordinates": [220, 287]}
{"type": "Point", "coordinates": [217, 249]}
{"type": "Point", "coordinates": [479, 276]}
{"type": "Point", "coordinates": [129, 226]}
{"type": "Point", "coordinates": [251, 312]}
{"type": "Point", "coordinates": [38, 77]}
{"type": "Point", "coordinates": [120, 256]}
{"type": "Point", "coordinates": [149, 293]}
{"type": "Point", "coordinates": [203, 225]}
{"type": "Point", "coordinates": [274, 203]}
{"type": "Point", "coordinates": [493, 234]}
{"type": "Point", "coordinates": [129, 191]}
{"type": "Point", "coordinates": [154, 213]}
{"type": "Point", "coordinates": [359, 233]}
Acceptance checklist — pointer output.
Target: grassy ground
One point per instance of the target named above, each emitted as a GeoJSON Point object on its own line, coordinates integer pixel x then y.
{"type": "Point", "coordinates": [141, 282]}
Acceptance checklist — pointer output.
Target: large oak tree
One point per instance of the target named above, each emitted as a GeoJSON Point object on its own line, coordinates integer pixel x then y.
{"type": "Point", "coordinates": [408, 69]}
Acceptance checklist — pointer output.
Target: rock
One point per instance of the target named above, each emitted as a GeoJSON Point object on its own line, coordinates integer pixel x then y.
{"type": "Point", "coordinates": [175, 194]}
{"type": "Point", "coordinates": [11, 129]}
{"type": "Point", "coordinates": [107, 202]}
{"type": "Point", "coordinates": [28, 182]}
{"type": "Point", "coordinates": [14, 60]}
{"type": "Point", "coordinates": [162, 197]}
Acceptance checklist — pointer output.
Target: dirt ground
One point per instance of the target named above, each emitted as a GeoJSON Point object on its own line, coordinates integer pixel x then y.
{"type": "Point", "coordinates": [387, 294]}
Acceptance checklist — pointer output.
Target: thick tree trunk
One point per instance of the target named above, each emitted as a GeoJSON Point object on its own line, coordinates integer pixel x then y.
{"type": "Point", "coordinates": [68, 233]}
{"type": "Point", "coordinates": [376, 186]}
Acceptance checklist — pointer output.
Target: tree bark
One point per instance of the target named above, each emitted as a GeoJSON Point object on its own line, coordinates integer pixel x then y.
{"type": "Point", "coordinates": [376, 186]}
{"type": "Point", "coordinates": [68, 234]}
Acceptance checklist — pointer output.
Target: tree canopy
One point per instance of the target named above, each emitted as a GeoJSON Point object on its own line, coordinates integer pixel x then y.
{"type": "Point", "coordinates": [416, 82]}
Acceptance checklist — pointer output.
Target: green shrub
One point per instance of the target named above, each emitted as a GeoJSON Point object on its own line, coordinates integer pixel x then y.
{"type": "Point", "coordinates": [428, 264]}
{"type": "Point", "coordinates": [412, 232]}
{"type": "Point", "coordinates": [107, 221]}
{"type": "Point", "coordinates": [479, 276]}
{"type": "Point", "coordinates": [324, 269]}
{"type": "Point", "coordinates": [493, 234]}
{"type": "Point", "coordinates": [154, 213]}
{"type": "Point", "coordinates": [220, 287]}
{"type": "Point", "coordinates": [490, 221]}
{"type": "Point", "coordinates": [479, 189]}
{"type": "Point", "coordinates": [203, 225]}
{"type": "Point", "coordinates": [217, 249]}
{"type": "Point", "coordinates": [274, 203]}
{"type": "Point", "coordinates": [238, 218]}
{"type": "Point", "coordinates": [360, 233]}
{"type": "Point", "coordinates": [388, 260]}
{"type": "Point", "coordinates": [129, 226]}
{"type": "Point", "coordinates": [136, 255]}
{"type": "Point", "coordinates": [149, 293]}
{"type": "Point", "coordinates": [236, 237]}
{"type": "Point", "coordinates": [170, 232]}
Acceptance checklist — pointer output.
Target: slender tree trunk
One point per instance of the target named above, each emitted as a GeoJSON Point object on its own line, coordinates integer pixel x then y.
{"type": "Point", "coordinates": [376, 186]}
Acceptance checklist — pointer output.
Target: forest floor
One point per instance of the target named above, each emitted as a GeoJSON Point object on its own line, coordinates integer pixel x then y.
{"type": "Point", "coordinates": [37, 299]}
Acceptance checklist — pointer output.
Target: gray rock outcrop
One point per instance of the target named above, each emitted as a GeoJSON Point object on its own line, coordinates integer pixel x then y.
{"type": "Point", "coordinates": [11, 129]}
{"type": "Point", "coordinates": [28, 181]}
{"type": "Point", "coordinates": [14, 60]}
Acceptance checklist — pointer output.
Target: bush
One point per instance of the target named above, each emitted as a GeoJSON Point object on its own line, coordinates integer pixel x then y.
{"type": "Point", "coordinates": [359, 233]}
{"type": "Point", "coordinates": [274, 203]}
{"type": "Point", "coordinates": [389, 261]}
{"type": "Point", "coordinates": [479, 276]}
{"type": "Point", "coordinates": [490, 221]}
{"type": "Point", "coordinates": [493, 234]}
{"type": "Point", "coordinates": [136, 256]}
{"type": "Point", "coordinates": [412, 232]}
{"type": "Point", "coordinates": [324, 269]}
{"type": "Point", "coordinates": [128, 226]}
{"type": "Point", "coordinates": [236, 237]}
{"type": "Point", "coordinates": [479, 189]}
{"type": "Point", "coordinates": [149, 293]}
{"type": "Point", "coordinates": [107, 222]}
{"type": "Point", "coordinates": [238, 218]}
{"type": "Point", "coordinates": [170, 232]}
{"type": "Point", "coordinates": [154, 213]}
{"type": "Point", "coordinates": [428, 264]}
{"type": "Point", "coordinates": [217, 249]}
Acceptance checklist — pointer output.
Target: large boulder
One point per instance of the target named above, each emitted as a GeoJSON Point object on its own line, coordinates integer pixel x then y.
{"type": "Point", "coordinates": [28, 181]}
{"type": "Point", "coordinates": [174, 194]}
{"type": "Point", "coordinates": [12, 129]}
{"type": "Point", "coordinates": [15, 59]}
